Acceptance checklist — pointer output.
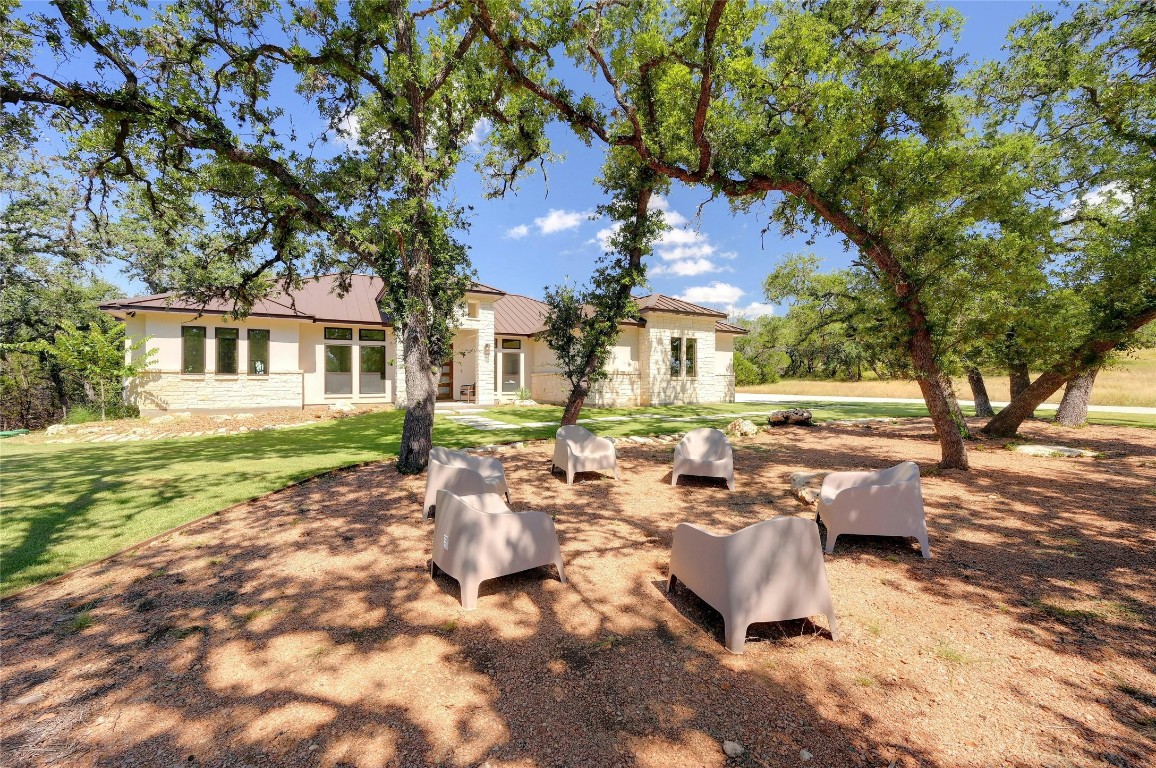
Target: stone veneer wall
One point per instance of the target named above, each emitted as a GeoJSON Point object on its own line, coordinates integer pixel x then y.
{"type": "Point", "coordinates": [658, 386]}
{"type": "Point", "coordinates": [621, 390]}
{"type": "Point", "coordinates": [170, 390]}
{"type": "Point", "coordinates": [484, 324]}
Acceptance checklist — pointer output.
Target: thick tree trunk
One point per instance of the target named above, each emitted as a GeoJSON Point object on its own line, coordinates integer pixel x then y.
{"type": "Point", "coordinates": [575, 402]}
{"type": "Point", "coordinates": [1019, 379]}
{"type": "Point", "coordinates": [421, 391]}
{"type": "Point", "coordinates": [1073, 410]}
{"type": "Point", "coordinates": [949, 425]}
{"type": "Point", "coordinates": [1008, 420]}
{"type": "Point", "coordinates": [979, 393]}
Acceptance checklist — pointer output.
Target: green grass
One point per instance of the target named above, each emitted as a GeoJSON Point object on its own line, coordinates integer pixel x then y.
{"type": "Point", "coordinates": [70, 504]}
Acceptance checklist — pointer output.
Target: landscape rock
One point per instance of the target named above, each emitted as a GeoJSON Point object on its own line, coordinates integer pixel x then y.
{"type": "Point", "coordinates": [1055, 451]}
{"type": "Point", "coordinates": [733, 748]}
{"type": "Point", "coordinates": [805, 486]}
{"type": "Point", "coordinates": [742, 427]}
{"type": "Point", "coordinates": [341, 407]}
{"type": "Point", "coordinates": [804, 755]}
{"type": "Point", "coordinates": [794, 416]}
{"type": "Point", "coordinates": [161, 419]}
{"type": "Point", "coordinates": [56, 429]}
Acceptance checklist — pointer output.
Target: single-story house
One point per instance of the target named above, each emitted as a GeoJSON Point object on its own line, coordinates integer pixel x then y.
{"type": "Point", "coordinates": [314, 347]}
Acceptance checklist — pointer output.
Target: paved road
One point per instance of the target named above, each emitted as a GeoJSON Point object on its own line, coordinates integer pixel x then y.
{"type": "Point", "coordinates": [743, 397]}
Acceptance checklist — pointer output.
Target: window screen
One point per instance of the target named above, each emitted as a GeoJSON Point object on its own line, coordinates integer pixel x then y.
{"type": "Point", "coordinates": [258, 352]}
{"type": "Point", "coordinates": [192, 349]}
{"type": "Point", "coordinates": [226, 349]}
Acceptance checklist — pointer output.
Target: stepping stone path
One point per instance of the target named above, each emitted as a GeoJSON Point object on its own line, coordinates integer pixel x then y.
{"type": "Point", "coordinates": [1055, 451]}
{"type": "Point", "coordinates": [484, 423]}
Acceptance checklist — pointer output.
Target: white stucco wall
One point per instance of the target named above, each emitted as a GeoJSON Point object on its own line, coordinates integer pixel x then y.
{"type": "Point", "coordinates": [473, 333]}
{"type": "Point", "coordinates": [312, 361]}
{"type": "Point", "coordinates": [165, 387]}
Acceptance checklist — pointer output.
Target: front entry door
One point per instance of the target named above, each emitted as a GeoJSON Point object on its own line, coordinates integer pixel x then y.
{"type": "Point", "coordinates": [446, 381]}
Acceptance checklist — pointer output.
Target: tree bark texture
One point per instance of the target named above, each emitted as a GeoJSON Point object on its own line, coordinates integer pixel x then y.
{"type": "Point", "coordinates": [575, 402]}
{"type": "Point", "coordinates": [421, 391]}
{"type": "Point", "coordinates": [979, 393]}
{"type": "Point", "coordinates": [1019, 379]}
{"type": "Point", "coordinates": [1073, 410]}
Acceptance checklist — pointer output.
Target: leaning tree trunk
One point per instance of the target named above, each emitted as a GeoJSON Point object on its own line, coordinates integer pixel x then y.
{"type": "Point", "coordinates": [979, 393]}
{"type": "Point", "coordinates": [574, 403]}
{"type": "Point", "coordinates": [950, 427]}
{"type": "Point", "coordinates": [1019, 379]}
{"type": "Point", "coordinates": [1073, 410]}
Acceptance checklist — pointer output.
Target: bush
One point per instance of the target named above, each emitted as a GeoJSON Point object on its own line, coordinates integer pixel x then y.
{"type": "Point", "coordinates": [522, 394]}
{"type": "Point", "coordinates": [746, 373]}
{"type": "Point", "coordinates": [82, 414]}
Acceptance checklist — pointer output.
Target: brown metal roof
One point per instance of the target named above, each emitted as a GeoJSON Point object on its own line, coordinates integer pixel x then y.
{"type": "Point", "coordinates": [516, 315]}
{"type": "Point", "coordinates": [317, 301]}
{"type": "Point", "coordinates": [721, 327]}
{"type": "Point", "coordinates": [657, 302]}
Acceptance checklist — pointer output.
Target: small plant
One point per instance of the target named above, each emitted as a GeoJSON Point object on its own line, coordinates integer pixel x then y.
{"type": "Point", "coordinates": [866, 681]}
{"type": "Point", "coordinates": [875, 628]}
{"type": "Point", "coordinates": [449, 626]}
{"type": "Point", "coordinates": [184, 632]}
{"type": "Point", "coordinates": [81, 414]}
{"type": "Point", "coordinates": [945, 652]}
{"type": "Point", "coordinates": [80, 622]}
{"type": "Point", "coordinates": [522, 394]}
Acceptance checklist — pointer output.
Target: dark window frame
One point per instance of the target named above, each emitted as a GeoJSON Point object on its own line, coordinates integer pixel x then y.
{"type": "Point", "coordinates": [690, 357]}
{"type": "Point", "coordinates": [676, 357]}
{"type": "Point", "coordinates": [249, 338]}
{"type": "Point", "coordinates": [361, 334]}
{"type": "Point", "coordinates": [184, 351]}
{"type": "Point", "coordinates": [510, 344]}
{"type": "Point", "coordinates": [233, 335]}
{"type": "Point", "coordinates": [338, 333]}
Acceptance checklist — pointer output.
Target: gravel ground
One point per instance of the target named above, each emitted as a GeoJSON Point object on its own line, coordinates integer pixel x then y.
{"type": "Point", "coordinates": [304, 628]}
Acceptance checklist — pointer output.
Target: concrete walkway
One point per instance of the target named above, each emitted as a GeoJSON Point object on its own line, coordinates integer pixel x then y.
{"type": "Point", "coordinates": [743, 397]}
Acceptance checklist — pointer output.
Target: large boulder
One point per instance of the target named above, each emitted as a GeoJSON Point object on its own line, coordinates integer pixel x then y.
{"type": "Point", "coordinates": [742, 428]}
{"type": "Point", "coordinates": [796, 416]}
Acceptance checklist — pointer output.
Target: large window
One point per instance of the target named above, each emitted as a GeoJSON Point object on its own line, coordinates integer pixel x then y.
{"type": "Point", "coordinates": [691, 354]}
{"type": "Point", "coordinates": [258, 352]}
{"type": "Point", "coordinates": [338, 369]}
{"type": "Point", "coordinates": [676, 356]}
{"type": "Point", "coordinates": [192, 349]}
{"type": "Point", "coordinates": [372, 381]}
{"type": "Point", "coordinates": [226, 349]}
{"type": "Point", "coordinates": [511, 371]}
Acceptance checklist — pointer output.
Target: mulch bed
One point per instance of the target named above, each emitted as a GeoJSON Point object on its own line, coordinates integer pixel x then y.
{"type": "Point", "coordinates": [304, 628]}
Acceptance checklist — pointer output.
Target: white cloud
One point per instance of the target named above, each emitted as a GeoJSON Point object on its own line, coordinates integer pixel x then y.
{"type": "Point", "coordinates": [715, 293]}
{"type": "Point", "coordinates": [518, 232]}
{"type": "Point", "coordinates": [679, 252]}
{"type": "Point", "coordinates": [687, 268]}
{"type": "Point", "coordinates": [560, 221]}
{"type": "Point", "coordinates": [751, 311]}
{"type": "Point", "coordinates": [1113, 196]}
{"type": "Point", "coordinates": [480, 131]}
{"type": "Point", "coordinates": [348, 131]}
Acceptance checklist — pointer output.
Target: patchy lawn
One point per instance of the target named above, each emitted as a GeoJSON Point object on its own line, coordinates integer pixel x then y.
{"type": "Point", "coordinates": [304, 628]}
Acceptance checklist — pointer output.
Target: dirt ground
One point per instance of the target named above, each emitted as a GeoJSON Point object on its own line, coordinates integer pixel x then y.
{"type": "Point", "coordinates": [305, 629]}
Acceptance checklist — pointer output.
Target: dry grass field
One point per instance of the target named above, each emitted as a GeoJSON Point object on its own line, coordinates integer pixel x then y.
{"type": "Point", "coordinates": [1132, 383]}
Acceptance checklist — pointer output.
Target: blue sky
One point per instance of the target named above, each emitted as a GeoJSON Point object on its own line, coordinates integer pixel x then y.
{"type": "Point", "coordinates": [544, 233]}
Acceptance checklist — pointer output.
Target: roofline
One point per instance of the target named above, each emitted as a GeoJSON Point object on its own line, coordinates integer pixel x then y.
{"type": "Point", "coordinates": [117, 307]}
{"type": "Point", "coordinates": [707, 313]}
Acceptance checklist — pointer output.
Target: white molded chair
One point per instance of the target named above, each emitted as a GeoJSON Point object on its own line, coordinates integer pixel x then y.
{"type": "Point", "coordinates": [884, 503]}
{"type": "Point", "coordinates": [463, 474]}
{"type": "Point", "coordinates": [577, 449]}
{"type": "Point", "coordinates": [478, 538]}
{"type": "Point", "coordinates": [769, 571]}
{"type": "Point", "coordinates": [704, 452]}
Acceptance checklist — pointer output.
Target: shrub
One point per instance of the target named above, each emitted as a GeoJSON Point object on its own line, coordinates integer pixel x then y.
{"type": "Point", "coordinates": [81, 414]}
{"type": "Point", "coordinates": [522, 394]}
{"type": "Point", "coordinates": [746, 372]}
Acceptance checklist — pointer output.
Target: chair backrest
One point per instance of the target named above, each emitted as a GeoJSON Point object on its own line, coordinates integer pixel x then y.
{"type": "Point", "coordinates": [575, 433]}
{"type": "Point", "coordinates": [900, 473]}
{"type": "Point", "coordinates": [448, 457]}
{"type": "Point", "coordinates": [704, 443]}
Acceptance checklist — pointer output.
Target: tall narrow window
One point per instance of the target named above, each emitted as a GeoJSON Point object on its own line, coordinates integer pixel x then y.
{"type": "Point", "coordinates": [372, 370]}
{"type": "Point", "coordinates": [676, 356]}
{"type": "Point", "coordinates": [258, 352]}
{"type": "Point", "coordinates": [192, 349]}
{"type": "Point", "coordinates": [511, 371]}
{"type": "Point", "coordinates": [226, 349]}
{"type": "Point", "coordinates": [338, 369]}
{"type": "Point", "coordinates": [691, 354]}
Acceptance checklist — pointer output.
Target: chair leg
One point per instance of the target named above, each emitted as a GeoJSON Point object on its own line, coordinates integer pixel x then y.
{"type": "Point", "coordinates": [832, 537]}
{"type": "Point", "coordinates": [735, 633]}
{"type": "Point", "coordinates": [569, 477]}
{"type": "Point", "coordinates": [670, 582]}
{"type": "Point", "coordinates": [833, 623]}
{"type": "Point", "coordinates": [561, 572]}
{"type": "Point", "coordinates": [507, 497]}
{"type": "Point", "coordinates": [923, 545]}
{"type": "Point", "coordinates": [673, 480]}
{"type": "Point", "coordinates": [469, 589]}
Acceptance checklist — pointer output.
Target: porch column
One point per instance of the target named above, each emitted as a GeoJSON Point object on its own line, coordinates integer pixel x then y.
{"type": "Point", "coordinates": [485, 353]}
{"type": "Point", "coordinates": [399, 372]}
